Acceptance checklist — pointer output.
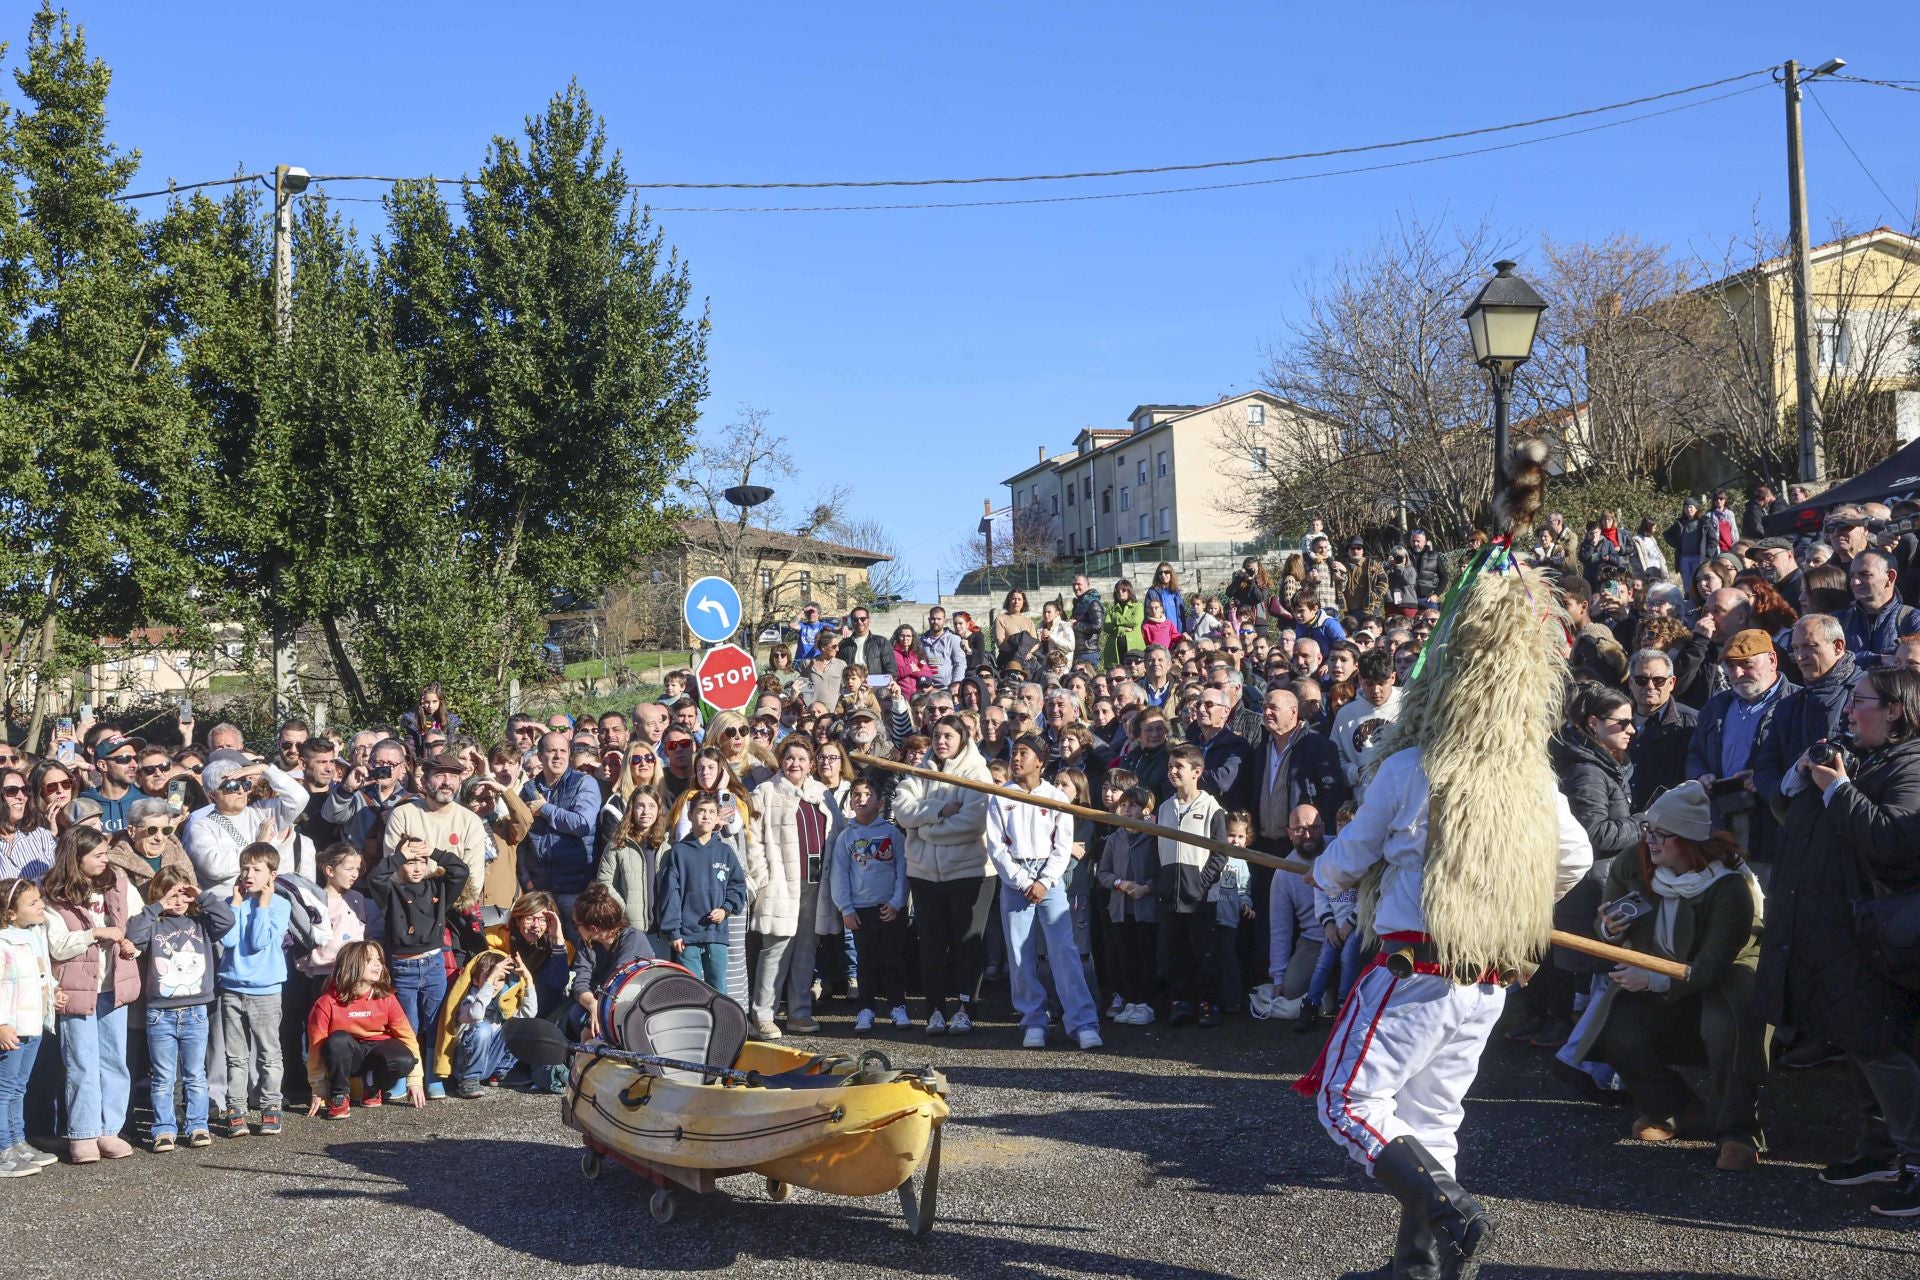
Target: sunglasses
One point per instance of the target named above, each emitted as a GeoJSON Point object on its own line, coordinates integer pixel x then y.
{"type": "Point", "coordinates": [1652, 682]}
{"type": "Point", "coordinates": [119, 760]}
{"type": "Point", "coordinates": [141, 833]}
{"type": "Point", "coordinates": [15, 790]}
{"type": "Point", "coordinates": [637, 760]}
{"type": "Point", "coordinates": [149, 770]}
{"type": "Point", "coordinates": [762, 733]}
{"type": "Point", "coordinates": [61, 784]}
{"type": "Point", "coordinates": [737, 731]}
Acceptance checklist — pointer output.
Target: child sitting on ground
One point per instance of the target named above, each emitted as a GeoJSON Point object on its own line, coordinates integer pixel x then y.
{"type": "Point", "coordinates": [869, 884]}
{"type": "Point", "coordinates": [178, 934]}
{"type": "Point", "coordinates": [608, 944]}
{"type": "Point", "coordinates": [1129, 861]}
{"type": "Point", "coordinates": [253, 968]}
{"type": "Point", "coordinates": [356, 1026]}
{"type": "Point", "coordinates": [702, 887]}
{"type": "Point", "coordinates": [498, 989]}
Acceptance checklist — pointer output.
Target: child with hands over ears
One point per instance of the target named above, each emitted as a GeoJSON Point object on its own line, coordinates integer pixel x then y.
{"type": "Point", "coordinates": [29, 1002]}
{"type": "Point", "coordinates": [357, 1025]}
{"type": "Point", "coordinates": [702, 887]}
{"type": "Point", "coordinates": [179, 932]}
{"type": "Point", "coordinates": [869, 885]}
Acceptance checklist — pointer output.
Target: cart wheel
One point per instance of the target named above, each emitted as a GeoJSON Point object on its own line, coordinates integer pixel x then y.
{"type": "Point", "coordinates": [661, 1205]}
{"type": "Point", "coordinates": [590, 1164]}
{"type": "Point", "coordinates": [778, 1190]}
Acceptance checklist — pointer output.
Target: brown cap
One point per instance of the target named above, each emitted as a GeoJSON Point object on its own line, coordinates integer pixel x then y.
{"type": "Point", "coordinates": [1750, 643]}
{"type": "Point", "coordinates": [443, 760]}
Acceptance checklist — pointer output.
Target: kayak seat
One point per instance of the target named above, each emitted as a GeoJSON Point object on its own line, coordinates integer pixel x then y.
{"type": "Point", "coordinates": [668, 1012]}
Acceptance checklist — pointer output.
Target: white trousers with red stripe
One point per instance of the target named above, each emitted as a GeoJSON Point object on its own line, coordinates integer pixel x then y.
{"type": "Point", "coordinates": [1402, 1055]}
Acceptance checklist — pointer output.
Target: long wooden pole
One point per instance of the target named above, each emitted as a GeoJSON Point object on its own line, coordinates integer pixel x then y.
{"type": "Point", "coordinates": [1560, 938]}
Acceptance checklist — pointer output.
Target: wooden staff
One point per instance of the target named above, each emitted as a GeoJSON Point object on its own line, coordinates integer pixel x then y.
{"type": "Point", "coordinates": [1571, 941]}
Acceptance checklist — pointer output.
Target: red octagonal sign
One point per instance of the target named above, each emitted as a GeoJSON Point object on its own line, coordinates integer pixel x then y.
{"type": "Point", "coordinates": [726, 678]}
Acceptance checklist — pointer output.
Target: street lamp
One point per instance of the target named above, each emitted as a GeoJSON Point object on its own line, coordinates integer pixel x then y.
{"type": "Point", "coordinates": [1502, 322]}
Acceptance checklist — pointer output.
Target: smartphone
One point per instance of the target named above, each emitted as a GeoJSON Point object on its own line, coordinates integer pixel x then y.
{"type": "Point", "coordinates": [186, 711]}
{"type": "Point", "coordinates": [813, 868]}
{"type": "Point", "coordinates": [177, 794]}
{"type": "Point", "coordinates": [64, 726]}
{"type": "Point", "coordinates": [86, 711]}
{"type": "Point", "coordinates": [879, 682]}
{"type": "Point", "coordinates": [1726, 787]}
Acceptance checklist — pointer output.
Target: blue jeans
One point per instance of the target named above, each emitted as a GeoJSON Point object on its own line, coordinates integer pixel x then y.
{"type": "Point", "coordinates": [16, 1066]}
{"type": "Point", "coordinates": [1063, 954]}
{"type": "Point", "coordinates": [1347, 957]}
{"type": "Point", "coordinates": [420, 985]}
{"type": "Point", "coordinates": [93, 1049]}
{"type": "Point", "coordinates": [177, 1051]}
{"type": "Point", "coordinates": [707, 961]}
{"type": "Point", "coordinates": [481, 1052]}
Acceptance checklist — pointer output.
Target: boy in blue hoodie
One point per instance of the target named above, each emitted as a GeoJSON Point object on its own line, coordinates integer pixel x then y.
{"type": "Point", "coordinates": [703, 885]}
{"type": "Point", "coordinates": [253, 968]}
{"type": "Point", "coordinates": [869, 884]}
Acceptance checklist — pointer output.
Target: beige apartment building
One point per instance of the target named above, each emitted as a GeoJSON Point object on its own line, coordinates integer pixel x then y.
{"type": "Point", "coordinates": [1175, 474]}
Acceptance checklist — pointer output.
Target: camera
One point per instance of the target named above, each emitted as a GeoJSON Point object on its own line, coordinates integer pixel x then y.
{"type": "Point", "coordinates": [380, 771]}
{"type": "Point", "coordinates": [1829, 752]}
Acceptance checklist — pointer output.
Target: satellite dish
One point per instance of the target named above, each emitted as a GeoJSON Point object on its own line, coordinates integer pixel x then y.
{"type": "Point", "coordinates": [747, 495]}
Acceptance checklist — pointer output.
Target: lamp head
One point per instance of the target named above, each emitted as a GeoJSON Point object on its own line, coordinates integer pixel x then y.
{"type": "Point", "coordinates": [291, 178]}
{"type": "Point", "coordinates": [1503, 320]}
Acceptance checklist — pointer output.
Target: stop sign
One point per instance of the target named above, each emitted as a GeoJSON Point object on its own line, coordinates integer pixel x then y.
{"type": "Point", "coordinates": [726, 678]}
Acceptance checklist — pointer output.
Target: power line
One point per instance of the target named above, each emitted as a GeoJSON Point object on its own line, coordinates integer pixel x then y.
{"type": "Point", "coordinates": [1855, 154]}
{"type": "Point", "coordinates": [1905, 86]}
{"type": "Point", "coordinates": [1049, 177]}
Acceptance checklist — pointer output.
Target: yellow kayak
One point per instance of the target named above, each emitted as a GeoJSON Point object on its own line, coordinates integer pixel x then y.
{"type": "Point", "coordinates": [677, 1094]}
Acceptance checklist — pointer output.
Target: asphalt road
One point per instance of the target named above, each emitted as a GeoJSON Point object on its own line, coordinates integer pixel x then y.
{"type": "Point", "coordinates": [1178, 1154]}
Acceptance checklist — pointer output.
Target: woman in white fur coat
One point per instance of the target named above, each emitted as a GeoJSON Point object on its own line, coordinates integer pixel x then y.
{"type": "Point", "coordinates": [789, 837]}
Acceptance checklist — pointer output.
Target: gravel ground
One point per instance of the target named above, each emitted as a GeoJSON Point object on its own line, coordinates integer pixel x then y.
{"type": "Point", "coordinates": [1178, 1154]}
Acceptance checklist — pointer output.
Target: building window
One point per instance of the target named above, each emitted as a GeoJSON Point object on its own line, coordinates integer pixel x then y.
{"type": "Point", "coordinates": [1126, 499]}
{"type": "Point", "coordinates": [1106, 500]}
{"type": "Point", "coordinates": [766, 584]}
{"type": "Point", "coordinates": [839, 590]}
{"type": "Point", "coordinates": [1833, 344]}
{"type": "Point", "coordinates": [150, 663]}
{"type": "Point", "coordinates": [1086, 488]}
{"type": "Point", "coordinates": [1256, 415]}
{"type": "Point", "coordinates": [232, 649]}
{"type": "Point", "coordinates": [1089, 537]}
{"type": "Point", "coordinates": [1073, 544]}
{"type": "Point", "coordinates": [1146, 526]}
{"type": "Point", "coordinates": [116, 665]}
{"type": "Point", "coordinates": [1071, 490]}
{"type": "Point", "coordinates": [1056, 505]}
{"type": "Point", "coordinates": [1143, 471]}
{"type": "Point", "coordinates": [1119, 463]}
{"type": "Point", "coordinates": [1166, 521]}
{"type": "Point", "coordinates": [1160, 463]}
{"type": "Point", "coordinates": [1258, 457]}
{"type": "Point", "coordinates": [806, 586]}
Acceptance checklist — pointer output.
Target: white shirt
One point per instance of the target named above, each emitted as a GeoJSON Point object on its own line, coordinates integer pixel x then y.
{"type": "Point", "coordinates": [1391, 826]}
{"type": "Point", "coordinates": [210, 843]}
{"type": "Point", "coordinates": [1351, 717]}
{"type": "Point", "coordinates": [1027, 843]}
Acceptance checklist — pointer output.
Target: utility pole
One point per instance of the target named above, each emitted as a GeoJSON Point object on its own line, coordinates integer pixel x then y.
{"type": "Point", "coordinates": [1812, 463]}
{"type": "Point", "coordinates": [986, 527]}
{"type": "Point", "coordinates": [288, 181]}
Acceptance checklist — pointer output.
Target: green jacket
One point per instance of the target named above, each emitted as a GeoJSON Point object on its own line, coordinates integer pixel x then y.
{"type": "Point", "coordinates": [1120, 631]}
{"type": "Point", "coordinates": [1717, 934]}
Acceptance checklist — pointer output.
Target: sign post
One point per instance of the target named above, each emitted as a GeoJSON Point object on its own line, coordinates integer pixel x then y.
{"type": "Point", "coordinates": [726, 678]}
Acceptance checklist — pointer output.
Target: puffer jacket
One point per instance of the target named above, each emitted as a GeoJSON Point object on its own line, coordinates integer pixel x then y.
{"type": "Point", "coordinates": [776, 870]}
{"type": "Point", "coordinates": [1813, 973]}
{"type": "Point", "coordinates": [1598, 789]}
{"type": "Point", "coordinates": [77, 957]}
{"type": "Point", "coordinates": [951, 848]}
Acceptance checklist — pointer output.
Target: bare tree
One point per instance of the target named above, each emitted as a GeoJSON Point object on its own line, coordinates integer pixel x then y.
{"type": "Point", "coordinates": [889, 579]}
{"type": "Point", "coordinates": [1022, 538]}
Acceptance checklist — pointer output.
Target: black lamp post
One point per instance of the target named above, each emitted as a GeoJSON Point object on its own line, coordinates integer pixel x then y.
{"type": "Point", "coordinates": [1503, 321]}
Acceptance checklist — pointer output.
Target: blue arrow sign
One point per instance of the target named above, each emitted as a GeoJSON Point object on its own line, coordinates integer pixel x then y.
{"type": "Point", "coordinates": [712, 610]}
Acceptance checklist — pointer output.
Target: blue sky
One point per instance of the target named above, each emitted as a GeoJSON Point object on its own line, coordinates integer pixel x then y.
{"type": "Point", "coordinates": [919, 357]}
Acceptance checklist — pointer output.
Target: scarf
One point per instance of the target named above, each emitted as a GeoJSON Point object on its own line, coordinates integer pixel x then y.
{"type": "Point", "coordinates": [1671, 887]}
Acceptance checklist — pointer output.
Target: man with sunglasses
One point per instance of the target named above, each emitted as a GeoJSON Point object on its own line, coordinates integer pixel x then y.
{"type": "Point", "coordinates": [115, 760]}
{"type": "Point", "coordinates": [676, 759]}
{"type": "Point", "coordinates": [287, 744]}
{"type": "Point", "coordinates": [1663, 728]}
{"type": "Point", "coordinates": [864, 647]}
{"type": "Point", "coordinates": [216, 834]}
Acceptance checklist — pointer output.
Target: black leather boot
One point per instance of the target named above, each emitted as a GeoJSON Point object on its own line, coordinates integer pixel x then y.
{"type": "Point", "coordinates": [1416, 1255]}
{"type": "Point", "coordinates": [1461, 1229]}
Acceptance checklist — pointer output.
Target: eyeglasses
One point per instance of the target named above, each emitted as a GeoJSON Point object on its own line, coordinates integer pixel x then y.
{"type": "Point", "coordinates": [1654, 833]}
{"type": "Point", "coordinates": [142, 833]}
{"type": "Point", "coordinates": [1653, 682]}
{"type": "Point", "coordinates": [1859, 701]}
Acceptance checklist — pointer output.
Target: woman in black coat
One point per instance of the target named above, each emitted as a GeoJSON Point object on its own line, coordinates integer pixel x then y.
{"type": "Point", "coordinates": [1590, 760]}
{"type": "Point", "coordinates": [1847, 829]}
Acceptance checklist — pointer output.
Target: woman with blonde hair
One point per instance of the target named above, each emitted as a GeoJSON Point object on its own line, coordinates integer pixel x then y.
{"type": "Point", "coordinates": [749, 762]}
{"type": "Point", "coordinates": [1166, 589]}
{"type": "Point", "coordinates": [788, 843]}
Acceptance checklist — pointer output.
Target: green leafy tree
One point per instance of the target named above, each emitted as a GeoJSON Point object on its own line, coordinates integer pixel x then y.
{"type": "Point", "coordinates": [98, 471]}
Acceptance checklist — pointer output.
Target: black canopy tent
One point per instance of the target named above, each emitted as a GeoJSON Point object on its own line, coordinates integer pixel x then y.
{"type": "Point", "coordinates": [1894, 479]}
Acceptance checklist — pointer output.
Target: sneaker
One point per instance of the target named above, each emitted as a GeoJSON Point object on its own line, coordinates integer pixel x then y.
{"type": "Point", "coordinates": [437, 1091]}
{"type": "Point", "coordinates": [12, 1166]}
{"type": "Point", "coordinates": [1209, 1016]}
{"type": "Point", "coordinates": [766, 1030]}
{"type": "Point", "coordinates": [374, 1098]}
{"type": "Point", "coordinates": [162, 1143]}
{"type": "Point", "coordinates": [1089, 1038]}
{"type": "Point", "coordinates": [114, 1147]}
{"type": "Point", "coordinates": [493, 1081]}
{"type": "Point", "coordinates": [937, 1024]}
{"type": "Point", "coordinates": [1180, 1015]}
{"type": "Point", "coordinates": [269, 1123]}
{"type": "Point", "coordinates": [233, 1124]}
{"type": "Point", "coordinates": [1036, 1038]}
{"type": "Point", "coordinates": [199, 1138]}
{"type": "Point", "coordinates": [398, 1093]}
{"type": "Point", "coordinates": [961, 1023]}
{"type": "Point", "coordinates": [803, 1025]}
{"type": "Point", "coordinates": [863, 1021]}
{"type": "Point", "coordinates": [1137, 1015]}
{"type": "Point", "coordinates": [469, 1089]}
{"type": "Point", "coordinates": [1902, 1199]}
{"type": "Point", "coordinates": [338, 1107]}
{"type": "Point", "coordinates": [899, 1016]}
{"type": "Point", "coordinates": [1809, 1053]}
{"type": "Point", "coordinates": [1859, 1170]}
{"type": "Point", "coordinates": [1116, 1007]}
{"type": "Point", "coordinates": [24, 1150]}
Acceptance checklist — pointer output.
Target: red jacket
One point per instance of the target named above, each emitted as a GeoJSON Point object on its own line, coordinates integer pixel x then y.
{"type": "Point", "coordinates": [380, 1015]}
{"type": "Point", "coordinates": [909, 669]}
